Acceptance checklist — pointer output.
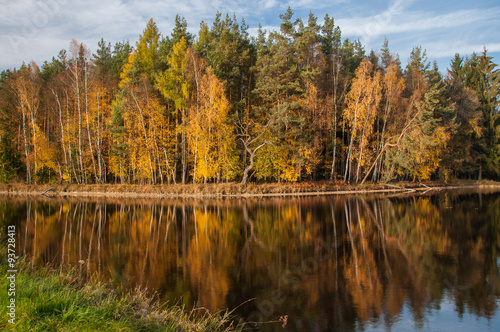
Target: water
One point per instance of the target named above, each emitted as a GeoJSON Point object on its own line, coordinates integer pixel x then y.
{"type": "Point", "coordinates": [338, 263]}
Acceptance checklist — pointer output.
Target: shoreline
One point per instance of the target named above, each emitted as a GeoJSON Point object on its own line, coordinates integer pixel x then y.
{"type": "Point", "coordinates": [236, 190]}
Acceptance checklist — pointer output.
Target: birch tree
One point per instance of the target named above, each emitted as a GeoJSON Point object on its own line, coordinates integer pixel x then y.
{"type": "Point", "coordinates": [362, 102]}
{"type": "Point", "coordinates": [173, 85]}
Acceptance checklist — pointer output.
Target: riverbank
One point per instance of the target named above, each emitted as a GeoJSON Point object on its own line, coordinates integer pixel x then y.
{"type": "Point", "coordinates": [214, 190]}
{"type": "Point", "coordinates": [46, 299]}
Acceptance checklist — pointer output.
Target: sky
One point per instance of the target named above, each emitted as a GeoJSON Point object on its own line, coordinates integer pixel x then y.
{"type": "Point", "coordinates": [38, 29]}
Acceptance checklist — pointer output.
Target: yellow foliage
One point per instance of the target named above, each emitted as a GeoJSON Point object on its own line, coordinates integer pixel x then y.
{"type": "Point", "coordinates": [46, 152]}
{"type": "Point", "coordinates": [210, 136]}
{"type": "Point", "coordinates": [125, 75]}
{"type": "Point", "coordinates": [362, 103]}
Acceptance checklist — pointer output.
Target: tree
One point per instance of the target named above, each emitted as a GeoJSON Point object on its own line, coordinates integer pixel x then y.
{"type": "Point", "coordinates": [10, 160]}
{"type": "Point", "coordinates": [282, 78]}
{"type": "Point", "coordinates": [144, 132]}
{"type": "Point", "coordinates": [480, 75]}
{"type": "Point", "coordinates": [335, 86]}
{"type": "Point", "coordinates": [174, 86]}
{"type": "Point", "coordinates": [467, 145]}
{"type": "Point", "coordinates": [121, 52]}
{"type": "Point", "coordinates": [210, 135]}
{"type": "Point", "coordinates": [11, 163]}
{"type": "Point", "coordinates": [118, 154]}
{"type": "Point", "coordinates": [417, 65]}
{"type": "Point", "coordinates": [26, 88]}
{"type": "Point", "coordinates": [147, 49]}
{"type": "Point", "coordinates": [103, 59]}
{"type": "Point", "coordinates": [227, 48]}
{"type": "Point", "coordinates": [393, 87]}
{"type": "Point", "coordinates": [421, 149]}
{"type": "Point", "coordinates": [39, 152]}
{"type": "Point", "coordinates": [362, 103]}
{"type": "Point", "coordinates": [488, 91]}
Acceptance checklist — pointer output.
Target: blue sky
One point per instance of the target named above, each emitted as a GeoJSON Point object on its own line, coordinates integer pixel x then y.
{"type": "Point", "coordinates": [38, 29]}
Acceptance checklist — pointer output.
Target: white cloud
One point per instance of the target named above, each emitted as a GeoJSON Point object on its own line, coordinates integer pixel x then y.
{"type": "Point", "coordinates": [441, 34]}
{"type": "Point", "coordinates": [448, 50]}
{"type": "Point", "coordinates": [267, 4]}
{"type": "Point", "coordinates": [396, 21]}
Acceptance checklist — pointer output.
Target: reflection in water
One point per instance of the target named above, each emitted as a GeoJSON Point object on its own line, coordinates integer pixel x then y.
{"type": "Point", "coordinates": [339, 263]}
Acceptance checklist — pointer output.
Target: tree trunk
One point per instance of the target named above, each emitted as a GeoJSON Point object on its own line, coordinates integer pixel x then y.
{"type": "Point", "coordinates": [88, 124]}
{"type": "Point", "coordinates": [26, 146]}
{"type": "Point", "coordinates": [332, 173]}
{"type": "Point", "coordinates": [184, 152]}
{"type": "Point", "coordinates": [348, 161]}
{"type": "Point", "coordinates": [248, 169]}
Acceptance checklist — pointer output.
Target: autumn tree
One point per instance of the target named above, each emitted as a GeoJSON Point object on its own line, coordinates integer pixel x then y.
{"type": "Point", "coordinates": [173, 85]}
{"type": "Point", "coordinates": [294, 104]}
{"type": "Point", "coordinates": [393, 86]}
{"type": "Point", "coordinates": [147, 49]}
{"type": "Point", "coordinates": [420, 153]}
{"type": "Point", "coordinates": [26, 89]}
{"type": "Point", "coordinates": [362, 102]}
{"type": "Point", "coordinates": [11, 160]}
{"type": "Point", "coordinates": [39, 152]}
{"type": "Point", "coordinates": [210, 134]}
{"type": "Point", "coordinates": [341, 59]}
{"type": "Point", "coordinates": [140, 131]}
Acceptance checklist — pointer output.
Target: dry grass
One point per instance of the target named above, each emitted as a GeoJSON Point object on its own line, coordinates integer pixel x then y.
{"type": "Point", "coordinates": [223, 189]}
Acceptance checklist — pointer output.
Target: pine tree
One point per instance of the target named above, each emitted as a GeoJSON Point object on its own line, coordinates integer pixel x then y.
{"type": "Point", "coordinates": [421, 150]}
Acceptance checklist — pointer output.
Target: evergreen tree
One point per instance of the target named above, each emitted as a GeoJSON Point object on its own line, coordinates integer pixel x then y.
{"type": "Point", "coordinates": [489, 96]}
{"type": "Point", "coordinates": [480, 74]}
{"type": "Point", "coordinates": [103, 59]}
{"type": "Point", "coordinates": [167, 43]}
{"type": "Point", "coordinates": [121, 52]}
{"type": "Point", "coordinates": [421, 150]}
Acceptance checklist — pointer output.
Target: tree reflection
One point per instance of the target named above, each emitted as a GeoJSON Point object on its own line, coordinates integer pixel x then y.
{"type": "Point", "coordinates": [330, 262]}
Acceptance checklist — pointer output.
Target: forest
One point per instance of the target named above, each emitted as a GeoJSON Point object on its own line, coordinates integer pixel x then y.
{"type": "Point", "coordinates": [298, 104]}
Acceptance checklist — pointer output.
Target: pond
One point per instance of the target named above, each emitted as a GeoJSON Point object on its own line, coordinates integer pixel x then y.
{"type": "Point", "coordinates": [329, 263]}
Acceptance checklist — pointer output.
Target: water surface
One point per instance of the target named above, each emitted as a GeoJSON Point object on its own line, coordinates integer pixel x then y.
{"type": "Point", "coordinates": [338, 263]}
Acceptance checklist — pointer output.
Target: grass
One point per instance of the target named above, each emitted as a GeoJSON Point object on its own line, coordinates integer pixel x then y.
{"type": "Point", "coordinates": [50, 300]}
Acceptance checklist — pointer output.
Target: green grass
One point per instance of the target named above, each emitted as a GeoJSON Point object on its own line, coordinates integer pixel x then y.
{"type": "Point", "coordinates": [50, 300]}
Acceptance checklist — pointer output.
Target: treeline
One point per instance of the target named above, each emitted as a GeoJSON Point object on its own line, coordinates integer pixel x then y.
{"type": "Point", "coordinates": [296, 104]}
